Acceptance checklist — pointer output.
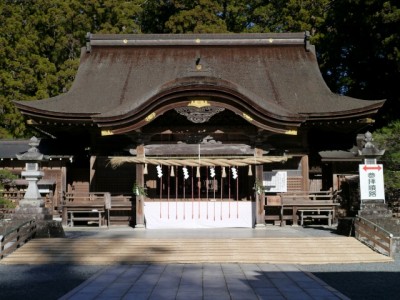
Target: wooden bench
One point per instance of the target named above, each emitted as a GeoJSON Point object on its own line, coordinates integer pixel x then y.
{"type": "Point", "coordinates": [88, 207]}
{"type": "Point", "coordinates": [97, 207]}
{"type": "Point", "coordinates": [316, 214]}
{"type": "Point", "coordinates": [93, 215]}
{"type": "Point", "coordinates": [312, 203]}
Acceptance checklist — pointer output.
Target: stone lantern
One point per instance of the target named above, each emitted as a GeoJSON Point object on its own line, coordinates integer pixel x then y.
{"type": "Point", "coordinates": [32, 205]}
{"type": "Point", "coordinates": [368, 150]}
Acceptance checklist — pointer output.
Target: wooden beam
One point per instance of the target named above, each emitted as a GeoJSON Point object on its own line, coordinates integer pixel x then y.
{"type": "Point", "coordinates": [260, 198]}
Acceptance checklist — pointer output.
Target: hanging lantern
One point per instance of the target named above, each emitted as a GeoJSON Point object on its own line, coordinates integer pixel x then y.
{"type": "Point", "coordinates": [223, 172]}
{"type": "Point", "coordinates": [198, 172]}
{"type": "Point", "coordinates": [250, 171]}
{"type": "Point", "coordinates": [145, 169]}
{"type": "Point", "coordinates": [172, 171]}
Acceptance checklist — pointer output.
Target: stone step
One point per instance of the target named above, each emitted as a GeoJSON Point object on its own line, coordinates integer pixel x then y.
{"type": "Point", "coordinates": [104, 251]}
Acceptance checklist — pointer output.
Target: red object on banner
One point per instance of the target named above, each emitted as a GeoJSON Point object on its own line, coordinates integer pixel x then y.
{"type": "Point", "coordinates": [366, 168]}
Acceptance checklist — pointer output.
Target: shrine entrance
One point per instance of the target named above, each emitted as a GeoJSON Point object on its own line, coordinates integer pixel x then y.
{"type": "Point", "coordinates": [198, 197]}
{"type": "Point", "coordinates": [201, 191]}
{"type": "Point", "coordinates": [197, 167]}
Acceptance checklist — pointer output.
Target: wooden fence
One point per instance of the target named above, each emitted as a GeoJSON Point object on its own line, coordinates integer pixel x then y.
{"type": "Point", "coordinates": [16, 237]}
{"type": "Point", "coordinates": [374, 236]}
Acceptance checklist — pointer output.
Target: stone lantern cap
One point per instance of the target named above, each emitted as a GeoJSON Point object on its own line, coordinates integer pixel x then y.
{"type": "Point", "coordinates": [33, 153]}
{"type": "Point", "coordinates": [369, 150]}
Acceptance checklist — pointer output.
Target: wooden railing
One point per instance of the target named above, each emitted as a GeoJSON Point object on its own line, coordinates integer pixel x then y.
{"type": "Point", "coordinates": [374, 236]}
{"type": "Point", "coordinates": [16, 237]}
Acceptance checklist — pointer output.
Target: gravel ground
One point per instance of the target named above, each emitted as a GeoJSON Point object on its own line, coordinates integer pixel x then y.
{"type": "Point", "coordinates": [48, 282]}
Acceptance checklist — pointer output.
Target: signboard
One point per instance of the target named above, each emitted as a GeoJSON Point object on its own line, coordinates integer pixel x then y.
{"type": "Point", "coordinates": [371, 182]}
{"type": "Point", "coordinates": [275, 181]}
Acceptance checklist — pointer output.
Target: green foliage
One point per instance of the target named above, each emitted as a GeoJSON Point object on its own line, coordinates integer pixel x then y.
{"type": "Point", "coordinates": [359, 49]}
{"type": "Point", "coordinates": [387, 138]}
{"type": "Point", "coordinates": [6, 177]}
{"type": "Point", "coordinates": [40, 44]}
{"type": "Point", "coordinates": [196, 16]}
{"type": "Point", "coordinates": [6, 203]}
{"type": "Point", "coordinates": [139, 190]}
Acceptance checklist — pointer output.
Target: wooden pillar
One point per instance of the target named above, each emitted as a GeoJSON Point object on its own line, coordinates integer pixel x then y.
{"type": "Point", "coordinates": [260, 198]}
{"type": "Point", "coordinates": [305, 170]}
{"type": "Point", "coordinates": [92, 173]}
{"type": "Point", "coordinates": [140, 182]}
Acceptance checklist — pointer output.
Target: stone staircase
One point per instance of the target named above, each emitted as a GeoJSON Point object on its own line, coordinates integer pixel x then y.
{"type": "Point", "coordinates": [115, 250]}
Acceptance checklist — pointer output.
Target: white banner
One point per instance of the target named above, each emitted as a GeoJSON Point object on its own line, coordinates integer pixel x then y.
{"type": "Point", "coordinates": [199, 214]}
{"type": "Point", "coordinates": [371, 182]}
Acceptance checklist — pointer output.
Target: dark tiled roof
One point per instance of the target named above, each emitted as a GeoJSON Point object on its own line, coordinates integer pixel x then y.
{"type": "Point", "coordinates": [9, 148]}
{"type": "Point", "coordinates": [276, 73]}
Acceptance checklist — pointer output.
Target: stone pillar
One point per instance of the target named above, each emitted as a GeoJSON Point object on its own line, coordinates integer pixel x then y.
{"type": "Point", "coordinates": [260, 198]}
{"type": "Point", "coordinates": [140, 182]}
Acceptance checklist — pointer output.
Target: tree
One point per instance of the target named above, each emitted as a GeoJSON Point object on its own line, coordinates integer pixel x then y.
{"type": "Point", "coordinates": [6, 177]}
{"type": "Point", "coordinates": [359, 51]}
{"type": "Point", "coordinates": [40, 45]}
{"type": "Point", "coordinates": [388, 138]}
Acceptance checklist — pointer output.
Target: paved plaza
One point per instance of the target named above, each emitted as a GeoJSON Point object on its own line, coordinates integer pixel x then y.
{"type": "Point", "coordinates": [200, 281]}
{"type": "Point", "coordinates": [203, 282]}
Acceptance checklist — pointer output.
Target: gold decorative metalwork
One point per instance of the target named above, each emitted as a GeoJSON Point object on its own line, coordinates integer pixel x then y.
{"type": "Point", "coordinates": [291, 132]}
{"type": "Point", "coordinates": [247, 117]}
{"type": "Point", "coordinates": [106, 132]}
{"type": "Point", "coordinates": [199, 114]}
{"type": "Point", "coordinates": [150, 117]}
{"type": "Point", "coordinates": [199, 103]}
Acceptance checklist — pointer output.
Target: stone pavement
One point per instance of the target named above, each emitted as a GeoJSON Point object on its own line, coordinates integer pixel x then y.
{"type": "Point", "coordinates": [203, 281]}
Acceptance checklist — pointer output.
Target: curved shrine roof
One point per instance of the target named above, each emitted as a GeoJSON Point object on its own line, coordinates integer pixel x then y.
{"type": "Point", "coordinates": [271, 76]}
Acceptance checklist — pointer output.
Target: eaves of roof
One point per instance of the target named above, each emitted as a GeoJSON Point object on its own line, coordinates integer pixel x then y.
{"type": "Point", "coordinates": [123, 78]}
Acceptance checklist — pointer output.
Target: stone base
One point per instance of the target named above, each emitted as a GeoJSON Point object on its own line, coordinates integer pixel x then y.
{"type": "Point", "coordinates": [49, 229]}
{"type": "Point", "coordinates": [32, 212]}
{"type": "Point", "coordinates": [31, 203]}
{"type": "Point", "coordinates": [139, 227]}
{"type": "Point", "coordinates": [45, 226]}
{"type": "Point", "coordinates": [260, 226]}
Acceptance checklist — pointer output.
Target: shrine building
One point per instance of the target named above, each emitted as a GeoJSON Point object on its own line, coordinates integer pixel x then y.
{"type": "Point", "coordinates": [195, 129]}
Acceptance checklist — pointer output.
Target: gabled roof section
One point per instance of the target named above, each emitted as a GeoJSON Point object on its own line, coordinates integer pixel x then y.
{"type": "Point", "coordinates": [271, 77]}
